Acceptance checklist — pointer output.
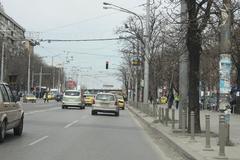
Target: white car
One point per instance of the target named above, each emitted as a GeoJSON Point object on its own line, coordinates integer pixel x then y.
{"type": "Point", "coordinates": [105, 102]}
{"type": "Point", "coordinates": [72, 98]}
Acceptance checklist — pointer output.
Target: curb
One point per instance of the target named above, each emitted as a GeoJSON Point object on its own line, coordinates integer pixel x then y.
{"type": "Point", "coordinates": [169, 140]}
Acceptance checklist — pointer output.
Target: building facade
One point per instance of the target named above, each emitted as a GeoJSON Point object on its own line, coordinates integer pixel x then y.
{"type": "Point", "coordinates": [11, 49]}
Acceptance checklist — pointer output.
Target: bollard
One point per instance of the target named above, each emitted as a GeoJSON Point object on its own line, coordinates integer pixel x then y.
{"type": "Point", "coordinates": [183, 122]}
{"type": "Point", "coordinates": [192, 126]}
{"type": "Point", "coordinates": [173, 118]}
{"type": "Point", "coordinates": [208, 142]}
{"type": "Point", "coordinates": [159, 114]}
{"type": "Point", "coordinates": [221, 137]}
{"type": "Point", "coordinates": [227, 127]}
{"type": "Point", "coordinates": [167, 116]}
{"type": "Point", "coordinates": [162, 115]}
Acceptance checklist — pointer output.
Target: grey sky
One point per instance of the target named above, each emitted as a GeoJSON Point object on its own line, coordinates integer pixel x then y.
{"type": "Point", "coordinates": [76, 19]}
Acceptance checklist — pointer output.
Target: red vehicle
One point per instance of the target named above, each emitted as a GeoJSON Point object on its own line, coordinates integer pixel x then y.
{"type": "Point", "coordinates": [71, 84]}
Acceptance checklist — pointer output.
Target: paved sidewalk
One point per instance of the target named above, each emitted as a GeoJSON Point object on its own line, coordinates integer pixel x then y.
{"type": "Point", "coordinates": [194, 150]}
{"type": "Point", "coordinates": [214, 123]}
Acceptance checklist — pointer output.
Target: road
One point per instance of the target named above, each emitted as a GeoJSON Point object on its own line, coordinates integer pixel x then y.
{"type": "Point", "coordinates": [51, 133]}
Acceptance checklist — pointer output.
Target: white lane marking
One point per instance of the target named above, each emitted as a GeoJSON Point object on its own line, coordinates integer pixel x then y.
{"type": "Point", "coordinates": [38, 140]}
{"type": "Point", "coordinates": [40, 111]}
{"type": "Point", "coordinates": [70, 124]}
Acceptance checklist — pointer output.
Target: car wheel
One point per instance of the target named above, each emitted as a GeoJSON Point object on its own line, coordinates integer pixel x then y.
{"type": "Point", "coordinates": [63, 107]}
{"type": "Point", "coordinates": [123, 108]}
{"type": "Point", "coordinates": [2, 131]}
{"type": "Point", "coordinates": [18, 130]}
{"type": "Point", "coordinates": [117, 114]}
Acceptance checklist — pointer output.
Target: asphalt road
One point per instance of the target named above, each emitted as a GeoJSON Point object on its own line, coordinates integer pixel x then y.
{"type": "Point", "coordinates": [51, 133]}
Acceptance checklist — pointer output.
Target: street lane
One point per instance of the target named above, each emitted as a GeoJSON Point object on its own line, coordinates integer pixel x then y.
{"type": "Point", "coordinates": [75, 134]}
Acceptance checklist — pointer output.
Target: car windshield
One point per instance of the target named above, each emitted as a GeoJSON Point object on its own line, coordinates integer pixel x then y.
{"type": "Point", "coordinates": [72, 93]}
{"type": "Point", "coordinates": [105, 97]}
{"type": "Point", "coordinates": [89, 96]}
{"type": "Point", "coordinates": [30, 95]}
{"type": "Point", "coordinates": [120, 97]}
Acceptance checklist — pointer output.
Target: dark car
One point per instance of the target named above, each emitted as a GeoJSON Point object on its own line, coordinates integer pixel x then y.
{"type": "Point", "coordinates": [58, 97]}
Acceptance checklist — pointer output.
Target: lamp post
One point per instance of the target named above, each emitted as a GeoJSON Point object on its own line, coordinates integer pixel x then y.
{"type": "Point", "coordinates": [146, 56]}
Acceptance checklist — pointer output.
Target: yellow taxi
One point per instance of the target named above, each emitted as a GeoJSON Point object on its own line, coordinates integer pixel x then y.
{"type": "Point", "coordinates": [89, 99]}
{"type": "Point", "coordinates": [50, 96]}
{"type": "Point", "coordinates": [29, 98]}
{"type": "Point", "coordinates": [121, 102]}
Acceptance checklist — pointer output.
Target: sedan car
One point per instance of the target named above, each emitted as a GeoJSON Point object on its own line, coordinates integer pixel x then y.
{"type": "Point", "coordinates": [121, 102]}
{"type": "Point", "coordinates": [29, 98]}
{"type": "Point", "coordinates": [107, 103]}
{"type": "Point", "coordinates": [72, 98]}
{"type": "Point", "coordinates": [89, 99]}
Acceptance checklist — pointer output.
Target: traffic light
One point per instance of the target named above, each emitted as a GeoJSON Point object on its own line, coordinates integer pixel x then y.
{"type": "Point", "coordinates": [106, 64]}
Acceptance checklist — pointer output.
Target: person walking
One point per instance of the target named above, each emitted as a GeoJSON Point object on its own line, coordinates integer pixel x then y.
{"type": "Point", "coordinates": [45, 97]}
{"type": "Point", "coordinates": [177, 98]}
{"type": "Point", "coordinates": [170, 99]}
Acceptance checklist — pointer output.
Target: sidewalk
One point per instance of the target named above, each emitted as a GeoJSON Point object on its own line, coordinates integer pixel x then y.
{"type": "Point", "coordinates": [194, 150]}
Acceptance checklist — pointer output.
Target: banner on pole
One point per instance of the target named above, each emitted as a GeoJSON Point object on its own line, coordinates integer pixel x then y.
{"type": "Point", "coordinates": [225, 65]}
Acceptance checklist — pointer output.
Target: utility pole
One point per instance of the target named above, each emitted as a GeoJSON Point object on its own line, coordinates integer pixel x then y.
{"type": "Point", "coordinates": [225, 50]}
{"type": "Point", "coordinates": [183, 68]}
{"type": "Point", "coordinates": [2, 60]}
{"type": "Point", "coordinates": [147, 53]}
{"type": "Point", "coordinates": [30, 51]}
{"type": "Point", "coordinates": [52, 74]}
{"type": "Point", "coordinates": [40, 81]}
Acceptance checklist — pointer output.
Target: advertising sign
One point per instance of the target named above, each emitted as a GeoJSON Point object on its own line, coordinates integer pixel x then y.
{"type": "Point", "coordinates": [225, 73]}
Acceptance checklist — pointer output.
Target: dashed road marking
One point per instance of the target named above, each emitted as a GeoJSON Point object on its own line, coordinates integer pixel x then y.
{"type": "Point", "coordinates": [38, 140]}
{"type": "Point", "coordinates": [70, 124]}
{"type": "Point", "coordinates": [40, 111]}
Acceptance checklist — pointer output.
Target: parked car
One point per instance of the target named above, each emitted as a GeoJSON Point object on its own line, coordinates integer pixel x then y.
{"type": "Point", "coordinates": [72, 98]}
{"type": "Point", "coordinates": [11, 112]}
{"type": "Point", "coordinates": [29, 98]}
{"type": "Point", "coordinates": [121, 102]}
{"type": "Point", "coordinates": [105, 102]}
{"type": "Point", "coordinates": [89, 99]}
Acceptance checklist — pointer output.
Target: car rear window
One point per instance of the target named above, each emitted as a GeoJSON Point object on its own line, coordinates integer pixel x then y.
{"type": "Point", "coordinates": [105, 97]}
{"type": "Point", "coordinates": [72, 93]}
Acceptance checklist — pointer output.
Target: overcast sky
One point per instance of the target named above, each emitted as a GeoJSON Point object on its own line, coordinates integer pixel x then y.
{"type": "Point", "coordinates": [76, 19]}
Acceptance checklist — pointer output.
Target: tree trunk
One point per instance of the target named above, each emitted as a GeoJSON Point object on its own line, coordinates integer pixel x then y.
{"type": "Point", "coordinates": [194, 48]}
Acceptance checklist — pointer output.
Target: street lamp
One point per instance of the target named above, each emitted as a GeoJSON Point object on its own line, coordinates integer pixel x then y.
{"type": "Point", "coordinates": [147, 51]}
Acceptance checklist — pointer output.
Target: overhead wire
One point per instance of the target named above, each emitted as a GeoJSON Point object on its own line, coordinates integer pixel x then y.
{"type": "Point", "coordinates": [84, 20]}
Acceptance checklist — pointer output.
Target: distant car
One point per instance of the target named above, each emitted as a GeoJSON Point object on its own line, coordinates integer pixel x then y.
{"type": "Point", "coordinates": [11, 112]}
{"type": "Point", "coordinates": [58, 97]}
{"type": "Point", "coordinates": [29, 98]}
{"type": "Point", "coordinates": [72, 98]}
{"type": "Point", "coordinates": [51, 96]}
{"type": "Point", "coordinates": [106, 103]}
{"type": "Point", "coordinates": [89, 99]}
{"type": "Point", "coordinates": [121, 102]}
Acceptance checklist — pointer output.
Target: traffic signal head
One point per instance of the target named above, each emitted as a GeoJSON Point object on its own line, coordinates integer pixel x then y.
{"type": "Point", "coordinates": [107, 64]}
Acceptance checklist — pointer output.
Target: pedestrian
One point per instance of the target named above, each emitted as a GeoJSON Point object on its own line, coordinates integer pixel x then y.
{"type": "Point", "coordinates": [177, 98]}
{"type": "Point", "coordinates": [151, 99]}
{"type": "Point", "coordinates": [170, 99]}
{"type": "Point", "coordinates": [45, 97]}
